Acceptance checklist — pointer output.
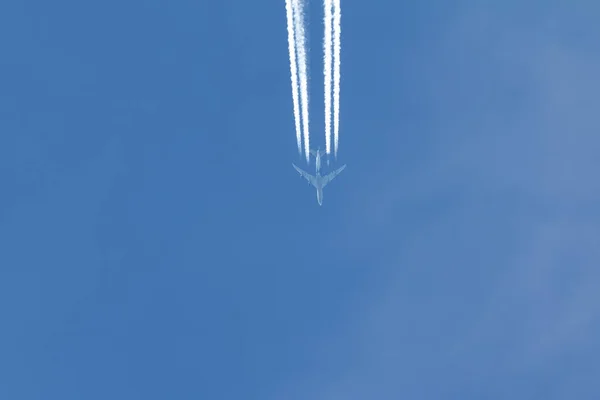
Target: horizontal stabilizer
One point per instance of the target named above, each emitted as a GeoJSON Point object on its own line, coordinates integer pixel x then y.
{"type": "Point", "coordinates": [319, 151]}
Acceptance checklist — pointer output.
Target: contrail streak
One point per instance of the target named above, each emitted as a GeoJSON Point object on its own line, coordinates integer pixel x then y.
{"type": "Point", "coordinates": [301, 48]}
{"type": "Point", "coordinates": [293, 70]}
{"type": "Point", "coordinates": [327, 50]}
{"type": "Point", "coordinates": [337, 33]}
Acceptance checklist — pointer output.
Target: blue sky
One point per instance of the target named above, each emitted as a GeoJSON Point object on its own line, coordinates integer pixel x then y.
{"type": "Point", "coordinates": [156, 242]}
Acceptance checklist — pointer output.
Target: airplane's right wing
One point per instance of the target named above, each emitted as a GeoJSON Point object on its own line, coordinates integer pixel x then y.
{"type": "Point", "coordinates": [310, 178]}
{"type": "Point", "coordinates": [328, 178]}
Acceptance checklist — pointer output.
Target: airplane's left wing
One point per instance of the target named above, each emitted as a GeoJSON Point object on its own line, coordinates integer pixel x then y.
{"type": "Point", "coordinates": [328, 178]}
{"type": "Point", "coordinates": [311, 179]}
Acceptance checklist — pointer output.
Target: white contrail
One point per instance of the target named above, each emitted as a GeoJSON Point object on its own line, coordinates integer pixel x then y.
{"type": "Point", "coordinates": [337, 33]}
{"type": "Point", "coordinates": [293, 70]}
{"type": "Point", "coordinates": [301, 48]}
{"type": "Point", "coordinates": [327, 49]}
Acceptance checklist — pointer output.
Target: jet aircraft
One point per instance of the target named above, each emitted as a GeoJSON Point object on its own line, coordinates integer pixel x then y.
{"type": "Point", "coordinates": [319, 181]}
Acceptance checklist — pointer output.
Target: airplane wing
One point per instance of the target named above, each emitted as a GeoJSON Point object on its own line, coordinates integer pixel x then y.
{"type": "Point", "coordinates": [310, 178]}
{"type": "Point", "coordinates": [328, 178]}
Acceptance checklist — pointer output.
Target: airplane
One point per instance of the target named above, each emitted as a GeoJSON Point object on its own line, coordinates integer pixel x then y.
{"type": "Point", "coordinates": [319, 181]}
{"type": "Point", "coordinates": [318, 153]}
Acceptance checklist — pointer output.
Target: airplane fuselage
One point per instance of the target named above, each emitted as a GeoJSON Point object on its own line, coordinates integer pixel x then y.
{"type": "Point", "coordinates": [317, 153]}
{"type": "Point", "coordinates": [318, 161]}
{"type": "Point", "coordinates": [319, 188]}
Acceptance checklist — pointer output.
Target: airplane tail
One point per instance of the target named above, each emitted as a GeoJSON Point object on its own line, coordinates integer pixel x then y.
{"type": "Point", "coordinates": [319, 151]}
